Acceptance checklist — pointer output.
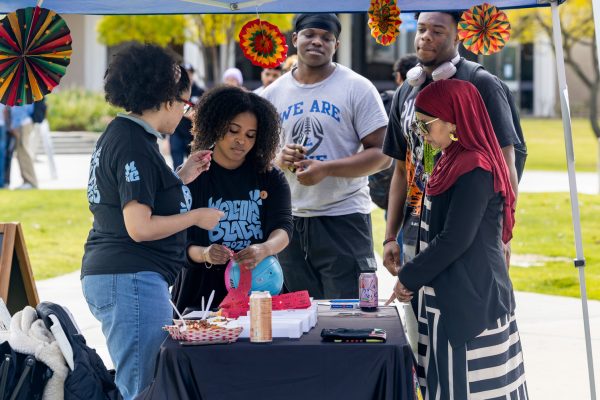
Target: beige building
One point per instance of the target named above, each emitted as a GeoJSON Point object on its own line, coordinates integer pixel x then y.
{"type": "Point", "coordinates": [538, 87]}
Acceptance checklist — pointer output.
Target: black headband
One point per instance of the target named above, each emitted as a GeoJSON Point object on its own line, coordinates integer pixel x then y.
{"type": "Point", "coordinates": [420, 110]}
{"type": "Point", "coordinates": [327, 22]}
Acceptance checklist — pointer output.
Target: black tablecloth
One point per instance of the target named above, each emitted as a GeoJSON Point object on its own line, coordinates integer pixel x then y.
{"type": "Point", "coordinates": [291, 369]}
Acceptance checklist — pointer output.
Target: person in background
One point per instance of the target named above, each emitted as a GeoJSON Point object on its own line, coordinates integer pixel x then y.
{"type": "Point", "coordinates": [179, 142]}
{"type": "Point", "coordinates": [333, 127]}
{"type": "Point", "coordinates": [243, 131]}
{"type": "Point", "coordinates": [289, 63]}
{"type": "Point", "coordinates": [233, 77]}
{"type": "Point", "coordinates": [268, 76]}
{"type": "Point", "coordinates": [469, 344]}
{"type": "Point", "coordinates": [21, 128]}
{"type": "Point", "coordinates": [8, 149]}
{"type": "Point", "coordinates": [402, 66]}
{"type": "Point", "coordinates": [141, 210]}
{"type": "Point", "coordinates": [3, 143]}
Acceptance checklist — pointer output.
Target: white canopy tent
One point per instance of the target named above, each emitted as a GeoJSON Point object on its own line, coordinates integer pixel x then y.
{"type": "Point", "coordinates": [110, 7]}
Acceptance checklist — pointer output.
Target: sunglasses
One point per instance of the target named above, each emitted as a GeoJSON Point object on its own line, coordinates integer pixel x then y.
{"type": "Point", "coordinates": [422, 126]}
{"type": "Point", "coordinates": [187, 105]}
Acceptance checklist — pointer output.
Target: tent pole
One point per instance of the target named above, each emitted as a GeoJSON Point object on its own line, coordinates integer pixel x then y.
{"type": "Point", "coordinates": [596, 11]}
{"type": "Point", "coordinates": [566, 118]}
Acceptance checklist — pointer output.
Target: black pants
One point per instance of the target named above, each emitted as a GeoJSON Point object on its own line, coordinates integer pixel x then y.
{"type": "Point", "coordinates": [327, 255]}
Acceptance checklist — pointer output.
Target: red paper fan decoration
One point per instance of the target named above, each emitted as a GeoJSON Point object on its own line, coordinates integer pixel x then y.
{"type": "Point", "coordinates": [35, 50]}
{"type": "Point", "coordinates": [263, 44]}
{"type": "Point", "coordinates": [484, 29]}
{"type": "Point", "coordinates": [384, 21]}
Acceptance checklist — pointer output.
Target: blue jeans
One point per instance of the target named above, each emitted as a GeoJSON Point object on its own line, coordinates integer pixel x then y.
{"type": "Point", "coordinates": [3, 146]}
{"type": "Point", "coordinates": [132, 309]}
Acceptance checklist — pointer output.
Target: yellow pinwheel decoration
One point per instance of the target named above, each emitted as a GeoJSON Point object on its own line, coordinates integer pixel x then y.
{"type": "Point", "coordinates": [484, 29]}
{"type": "Point", "coordinates": [384, 21]}
{"type": "Point", "coordinates": [263, 43]}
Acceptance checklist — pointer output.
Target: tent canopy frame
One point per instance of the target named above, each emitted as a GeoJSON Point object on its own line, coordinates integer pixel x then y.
{"type": "Point", "coordinates": [112, 7]}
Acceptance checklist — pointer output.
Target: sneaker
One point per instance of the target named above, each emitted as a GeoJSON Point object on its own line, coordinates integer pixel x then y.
{"type": "Point", "coordinates": [25, 186]}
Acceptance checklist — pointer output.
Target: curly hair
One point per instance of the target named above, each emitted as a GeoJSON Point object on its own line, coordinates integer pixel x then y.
{"type": "Point", "coordinates": [219, 106]}
{"type": "Point", "coordinates": [142, 77]}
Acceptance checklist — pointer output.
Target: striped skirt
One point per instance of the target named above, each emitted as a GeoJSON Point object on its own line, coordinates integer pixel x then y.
{"type": "Point", "coordinates": [489, 366]}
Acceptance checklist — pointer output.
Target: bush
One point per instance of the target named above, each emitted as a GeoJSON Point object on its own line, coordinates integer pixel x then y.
{"type": "Point", "coordinates": [78, 109]}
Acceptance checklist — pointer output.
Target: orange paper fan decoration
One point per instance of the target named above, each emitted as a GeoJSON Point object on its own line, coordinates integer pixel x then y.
{"type": "Point", "coordinates": [263, 44]}
{"type": "Point", "coordinates": [384, 21]}
{"type": "Point", "coordinates": [484, 29]}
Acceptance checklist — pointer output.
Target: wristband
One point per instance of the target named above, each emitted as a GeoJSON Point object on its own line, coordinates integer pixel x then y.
{"type": "Point", "coordinates": [388, 240]}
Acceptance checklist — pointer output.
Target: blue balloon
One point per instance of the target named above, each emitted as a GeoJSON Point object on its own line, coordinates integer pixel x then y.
{"type": "Point", "coordinates": [266, 277]}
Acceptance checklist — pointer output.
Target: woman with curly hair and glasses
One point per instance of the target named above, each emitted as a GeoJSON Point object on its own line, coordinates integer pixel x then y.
{"type": "Point", "coordinates": [141, 211]}
{"type": "Point", "coordinates": [242, 129]}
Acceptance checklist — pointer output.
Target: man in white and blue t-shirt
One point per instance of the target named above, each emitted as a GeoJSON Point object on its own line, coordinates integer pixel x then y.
{"type": "Point", "coordinates": [333, 123]}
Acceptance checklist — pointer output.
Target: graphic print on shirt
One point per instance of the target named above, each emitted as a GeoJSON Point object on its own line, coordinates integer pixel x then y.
{"type": "Point", "coordinates": [93, 193]}
{"type": "Point", "coordinates": [308, 132]}
{"type": "Point", "coordinates": [131, 172]}
{"type": "Point", "coordinates": [186, 204]}
{"type": "Point", "coordinates": [241, 222]}
{"type": "Point", "coordinates": [415, 176]}
{"type": "Point", "coordinates": [307, 126]}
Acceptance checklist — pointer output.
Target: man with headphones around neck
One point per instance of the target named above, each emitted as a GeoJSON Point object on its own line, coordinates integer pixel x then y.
{"type": "Point", "coordinates": [436, 45]}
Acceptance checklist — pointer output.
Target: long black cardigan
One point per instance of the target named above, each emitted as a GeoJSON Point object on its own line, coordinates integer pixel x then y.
{"type": "Point", "coordinates": [464, 261]}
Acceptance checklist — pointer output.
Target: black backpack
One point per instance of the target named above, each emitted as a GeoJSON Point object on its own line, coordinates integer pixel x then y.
{"type": "Point", "coordinates": [467, 72]}
{"type": "Point", "coordinates": [89, 380]}
{"type": "Point", "coordinates": [379, 186]}
{"type": "Point", "coordinates": [379, 183]}
{"type": "Point", "coordinates": [22, 377]}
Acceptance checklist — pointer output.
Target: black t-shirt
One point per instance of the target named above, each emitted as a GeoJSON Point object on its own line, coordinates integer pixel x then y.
{"type": "Point", "coordinates": [127, 165]}
{"type": "Point", "coordinates": [255, 204]}
{"type": "Point", "coordinates": [403, 144]}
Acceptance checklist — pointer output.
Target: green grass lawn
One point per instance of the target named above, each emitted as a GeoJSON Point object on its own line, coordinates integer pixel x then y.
{"type": "Point", "coordinates": [544, 228]}
{"type": "Point", "coordinates": [55, 225]}
{"type": "Point", "coordinates": [546, 145]}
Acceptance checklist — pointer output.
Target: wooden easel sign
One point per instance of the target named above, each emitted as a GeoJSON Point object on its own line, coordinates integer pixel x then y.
{"type": "Point", "coordinates": [17, 287]}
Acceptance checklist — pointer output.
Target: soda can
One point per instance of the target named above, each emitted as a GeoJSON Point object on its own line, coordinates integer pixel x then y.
{"type": "Point", "coordinates": [261, 307]}
{"type": "Point", "coordinates": [367, 291]}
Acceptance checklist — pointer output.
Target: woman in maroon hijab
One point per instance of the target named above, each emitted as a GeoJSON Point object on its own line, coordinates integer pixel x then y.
{"type": "Point", "coordinates": [469, 345]}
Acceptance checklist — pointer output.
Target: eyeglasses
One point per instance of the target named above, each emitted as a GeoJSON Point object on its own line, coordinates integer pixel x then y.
{"type": "Point", "coordinates": [187, 105]}
{"type": "Point", "coordinates": [422, 126]}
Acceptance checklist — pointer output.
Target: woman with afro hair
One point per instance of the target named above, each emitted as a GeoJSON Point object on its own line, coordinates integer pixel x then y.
{"type": "Point", "coordinates": [242, 129]}
{"type": "Point", "coordinates": [141, 210]}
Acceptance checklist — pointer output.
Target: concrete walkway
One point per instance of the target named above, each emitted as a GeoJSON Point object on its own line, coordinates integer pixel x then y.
{"type": "Point", "coordinates": [73, 170]}
{"type": "Point", "coordinates": [546, 181]}
{"type": "Point", "coordinates": [551, 327]}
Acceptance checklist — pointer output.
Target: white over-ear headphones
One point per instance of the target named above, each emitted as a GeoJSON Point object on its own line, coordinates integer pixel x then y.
{"type": "Point", "coordinates": [416, 76]}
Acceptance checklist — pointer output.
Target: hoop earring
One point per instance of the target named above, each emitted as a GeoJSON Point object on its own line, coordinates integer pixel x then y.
{"type": "Point", "coordinates": [452, 137]}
